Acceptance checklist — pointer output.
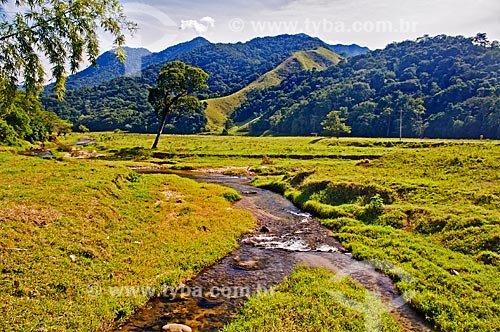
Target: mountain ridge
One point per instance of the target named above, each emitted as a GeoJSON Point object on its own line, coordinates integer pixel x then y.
{"type": "Point", "coordinates": [122, 102]}
{"type": "Point", "coordinates": [447, 87]}
{"type": "Point", "coordinates": [109, 67]}
{"type": "Point", "coordinates": [137, 59]}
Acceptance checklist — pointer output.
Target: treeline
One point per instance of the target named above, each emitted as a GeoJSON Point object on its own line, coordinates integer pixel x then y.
{"type": "Point", "coordinates": [445, 87]}
{"type": "Point", "coordinates": [23, 119]}
{"type": "Point", "coordinates": [120, 104]}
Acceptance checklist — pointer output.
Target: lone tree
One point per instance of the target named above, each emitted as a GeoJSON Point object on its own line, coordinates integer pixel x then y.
{"type": "Point", "coordinates": [176, 84]}
{"type": "Point", "coordinates": [334, 124]}
{"type": "Point", "coordinates": [63, 31]}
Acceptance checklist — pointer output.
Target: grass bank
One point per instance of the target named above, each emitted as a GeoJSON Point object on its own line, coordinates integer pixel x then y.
{"type": "Point", "coordinates": [84, 243]}
{"type": "Point", "coordinates": [432, 211]}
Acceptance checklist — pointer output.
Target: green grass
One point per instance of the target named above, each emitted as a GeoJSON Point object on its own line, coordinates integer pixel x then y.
{"type": "Point", "coordinates": [304, 303]}
{"type": "Point", "coordinates": [454, 291]}
{"type": "Point", "coordinates": [70, 227]}
{"type": "Point", "coordinates": [225, 149]}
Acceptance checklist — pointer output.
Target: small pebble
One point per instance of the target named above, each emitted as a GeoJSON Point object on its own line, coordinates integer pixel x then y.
{"type": "Point", "coordinates": [177, 328]}
{"type": "Point", "coordinates": [264, 229]}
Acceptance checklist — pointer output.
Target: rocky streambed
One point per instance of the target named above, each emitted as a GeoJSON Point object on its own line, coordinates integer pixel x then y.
{"type": "Point", "coordinates": [285, 237]}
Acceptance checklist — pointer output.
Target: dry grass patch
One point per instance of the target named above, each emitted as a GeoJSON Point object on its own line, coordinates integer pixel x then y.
{"type": "Point", "coordinates": [30, 214]}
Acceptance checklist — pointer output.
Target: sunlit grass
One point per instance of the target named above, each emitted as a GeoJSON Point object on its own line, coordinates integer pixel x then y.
{"type": "Point", "coordinates": [73, 227]}
{"type": "Point", "coordinates": [442, 224]}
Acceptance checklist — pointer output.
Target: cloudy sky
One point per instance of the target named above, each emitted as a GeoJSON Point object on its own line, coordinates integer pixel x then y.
{"type": "Point", "coordinates": [372, 23]}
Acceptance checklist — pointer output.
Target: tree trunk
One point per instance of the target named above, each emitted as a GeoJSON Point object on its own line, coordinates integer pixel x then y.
{"type": "Point", "coordinates": [157, 139]}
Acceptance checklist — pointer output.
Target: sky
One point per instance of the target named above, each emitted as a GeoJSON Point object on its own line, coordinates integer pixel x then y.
{"type": "Point", "coordinates": [371, 23]}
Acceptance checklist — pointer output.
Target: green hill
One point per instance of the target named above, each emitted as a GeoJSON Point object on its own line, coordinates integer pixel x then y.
{"type": "Point", "coordinates": [446, 87]}
{"type": "Point", "coordinates": [220, 109]}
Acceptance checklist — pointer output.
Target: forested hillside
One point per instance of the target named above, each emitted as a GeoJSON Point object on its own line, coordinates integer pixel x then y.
{"type": "Point", "coordinates": [122, 102]}
{"type": "Point", "coordinates": [220, 109]}
{"type": "Point", "coordinates": [446, 87]}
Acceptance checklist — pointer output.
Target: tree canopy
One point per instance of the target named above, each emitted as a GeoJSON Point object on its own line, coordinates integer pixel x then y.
{"type": "Point", "coordinates": [447, 87]}
{"type": "Point", "coordinates": [334, 124]}
{"type": "Point", "coordinates": [65, 32]}
{"type": "Point", "coordinates": [62, 32]}
{"type": "Point", "coordinates": [176, 84]}
{"type": "Point", "coordinates": [121, 103]}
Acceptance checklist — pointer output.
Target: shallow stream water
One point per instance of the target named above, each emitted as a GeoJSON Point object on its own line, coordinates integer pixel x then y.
{"type": "Point", "coordinates": [285, 237]}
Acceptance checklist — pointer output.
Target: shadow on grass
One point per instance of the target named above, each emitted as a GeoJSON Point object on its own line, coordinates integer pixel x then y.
{"type": "Point", "coordinates": [135, 153]}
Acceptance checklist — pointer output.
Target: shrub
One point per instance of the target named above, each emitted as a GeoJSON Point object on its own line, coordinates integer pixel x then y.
{"type": "Point", "coordinates": [133, 177]}
{"type": "Point", "coordinates": [338, 193]}
{"type": "Point", "coordinates": [265, 170]}
{"type": "Point", "coordinates": [7, 134]}
{"type": "Point", "coordinates": [325, 210]}
{"type": "Point", "coordinates": [373, 210]}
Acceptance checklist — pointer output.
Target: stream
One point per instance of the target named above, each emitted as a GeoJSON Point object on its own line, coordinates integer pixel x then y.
{"type": "Point", "coordinates": [285, 237]}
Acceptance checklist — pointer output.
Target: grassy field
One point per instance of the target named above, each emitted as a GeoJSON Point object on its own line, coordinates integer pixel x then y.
{"type": "Point", "coordinates": [72, 232]}
{"type": "Point", "coordinates": [217, 151]}
{"type": "Point", "coordinates": [430, 207]}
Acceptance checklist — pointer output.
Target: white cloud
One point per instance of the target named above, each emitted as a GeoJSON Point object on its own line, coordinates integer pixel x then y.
{"type": "Point", "coordinates": [207, 20]}
{"type": "Point", "coordinates": [199, 26]}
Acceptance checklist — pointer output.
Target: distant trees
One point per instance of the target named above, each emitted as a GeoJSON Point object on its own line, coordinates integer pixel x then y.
{"type": "Point", "coordinates": [334, 124]}
{"type": "Point", "coordinates": [176, 84]}
{"type": "Point", "coordinates": [230, 68]}
{"type": "Point", "coordinates": [481, 39]}
{"type": "Point", "coordinates": [447, 87]}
